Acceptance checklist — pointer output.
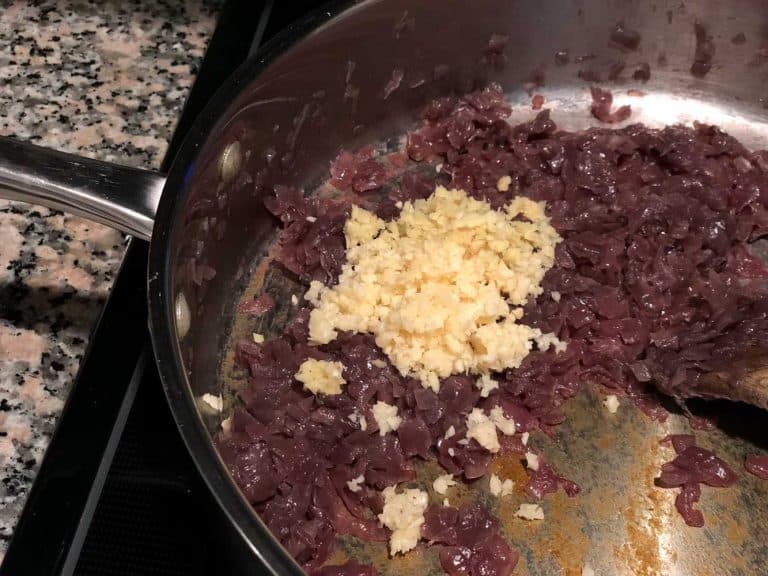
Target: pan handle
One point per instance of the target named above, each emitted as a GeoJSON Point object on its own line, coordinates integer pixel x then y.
{"type": "Point", "coordinates": [121, 197]}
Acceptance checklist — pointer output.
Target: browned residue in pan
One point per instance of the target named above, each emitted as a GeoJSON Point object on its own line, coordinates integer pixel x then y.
{"type": "Point", "coordinates": [567, 541]}
{"type": "Point", "coordinates": [646, 510]}
{"type": "Point", "coordinates": [422, 561]}
{"type": "Point", "coordinates": [338, 556]}
{"type": "Point", "coordinates": [417, 564]}
{"type": "Point", "coordinates": [560, 536]}
{"type": "Point", "coordinates": [510, 466]}
{"type": "Point", "coordinates": [516, 530]}
{"type": "Point", "coordinates": [605, 442]}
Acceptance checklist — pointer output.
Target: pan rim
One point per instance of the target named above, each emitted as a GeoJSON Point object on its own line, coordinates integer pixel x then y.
{"type": "Point", "coordinates": [167, 352]}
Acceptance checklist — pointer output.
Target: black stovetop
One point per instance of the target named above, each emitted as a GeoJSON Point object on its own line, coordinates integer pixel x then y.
{"type": "Point", "coordinates": [117, 492]}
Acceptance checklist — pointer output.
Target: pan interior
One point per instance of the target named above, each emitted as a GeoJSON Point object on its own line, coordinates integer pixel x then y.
{"type": "Point", "coordinates": [621, 523]}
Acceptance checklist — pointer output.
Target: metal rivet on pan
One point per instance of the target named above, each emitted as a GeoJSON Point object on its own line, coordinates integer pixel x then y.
{"type": "Point", "coordinates": [229, 162]}
{"type": "Point", "coordinates": [183, 316]}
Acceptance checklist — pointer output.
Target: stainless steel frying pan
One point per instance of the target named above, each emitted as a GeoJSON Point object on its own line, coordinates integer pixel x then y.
{"type": "Point", "coordinates": [319, 87]}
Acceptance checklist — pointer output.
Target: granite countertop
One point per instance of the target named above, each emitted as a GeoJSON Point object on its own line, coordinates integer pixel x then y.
{"type": "Point", "coordinates": [107, 80]}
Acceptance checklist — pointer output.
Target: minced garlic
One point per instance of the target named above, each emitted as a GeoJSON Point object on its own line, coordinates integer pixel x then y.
{"type": "Point", "coordinates": [612, 403]}
{"type": "Point", "coordinates": [504, 424]}
{"type": "Point", "coordinates": [403, 513]}
{"type": "Point", "coordinates": [359, 419]}
{"type": "Point", "coordinates": [530, 512]}
{"type": "Point", "coordinates": [442, 483]}
{"type": "Point", "coordinates": [482, 429]}
{"type": "Point", "coordinates": [321, 376]}
{"type": "Point", "coordinates": [547, 340]}
{"type": "Point", "coordinates": [355, 485]}
{"type": "Point", "coordinates": [503, 184]}
{"type": "Point", "coordinates": [386, 417]}
{"type": "Point", "coordinates": [441, 286]}
{"type": "Point", "coordinates": [214, 401]}
{"type": "Point", "coordinates": [499, 487]}
{"type": "Point", "coordinates": [486, 385]}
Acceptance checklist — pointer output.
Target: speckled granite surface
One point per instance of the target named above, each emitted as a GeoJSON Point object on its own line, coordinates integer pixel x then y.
{"type": "Point", "coordinates": [105, 79]}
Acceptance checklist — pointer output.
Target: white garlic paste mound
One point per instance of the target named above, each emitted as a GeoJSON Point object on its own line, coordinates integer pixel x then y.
{"type": "Point", "coordinates": [441, 286]}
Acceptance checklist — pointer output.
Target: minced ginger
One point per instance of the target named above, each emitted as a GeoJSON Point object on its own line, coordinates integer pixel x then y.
{"type": "Point", "coordinates": [441, 286]}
